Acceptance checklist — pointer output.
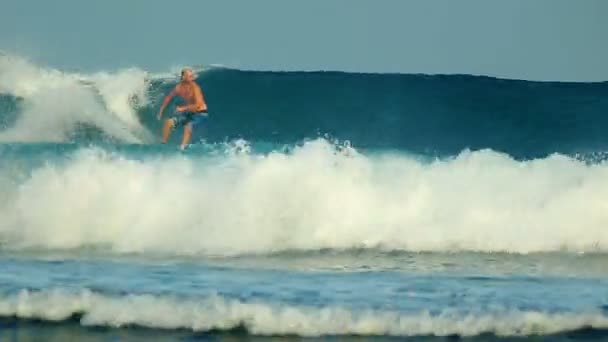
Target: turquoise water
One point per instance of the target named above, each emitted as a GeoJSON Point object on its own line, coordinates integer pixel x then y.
{"type": "Point", "coordinates": [322, 206]}
{"type": "Point", "coordinates": [305, 294]}
{"type": "Point", "coordinates": [126, 242]}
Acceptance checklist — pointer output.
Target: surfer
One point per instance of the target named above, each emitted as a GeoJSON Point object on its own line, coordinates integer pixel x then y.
{"type": "Point", "coordinates": [191, 114]}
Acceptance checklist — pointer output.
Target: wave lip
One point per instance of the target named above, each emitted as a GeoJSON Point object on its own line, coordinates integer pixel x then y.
{"type": "Point", "coordinates": [55, 105]}
{"type": "Point", "coordinates": [215, 313]}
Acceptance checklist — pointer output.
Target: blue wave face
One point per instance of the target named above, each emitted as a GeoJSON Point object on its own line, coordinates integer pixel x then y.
{"type": "Point", "coordinates": [422, 114]}
{"type": "Point", "coordinates": [438, 114]}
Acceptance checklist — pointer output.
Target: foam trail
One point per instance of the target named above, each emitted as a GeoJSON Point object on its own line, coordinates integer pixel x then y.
{"type": "Point", "coordinates": [216, 312]}
{"type": "Point", "coordinates": [56, 103]}
{"type": "Point", "coordinates": [311, 198]}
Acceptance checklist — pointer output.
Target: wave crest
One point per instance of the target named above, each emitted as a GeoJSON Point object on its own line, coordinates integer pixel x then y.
{"type": "Point", "coordinates": [219, 313]}
{"type": "Point", "coordinates": [57, 105]}
{"type": "Point", "coordinates": [313, 197]}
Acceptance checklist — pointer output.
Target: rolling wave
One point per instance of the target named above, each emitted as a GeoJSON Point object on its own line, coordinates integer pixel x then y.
{"type": "Point", "coordinates": [418, 113]}
{"type": "Point", "coordinates": [315, 196]}
{"type": "Point", "coordinates": [216, 313]}
{"type": "Point", "coordinates": [42, 104]}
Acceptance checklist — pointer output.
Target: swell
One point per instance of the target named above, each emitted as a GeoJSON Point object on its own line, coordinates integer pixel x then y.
{"type": "Point", "coordinates": [420, 113]}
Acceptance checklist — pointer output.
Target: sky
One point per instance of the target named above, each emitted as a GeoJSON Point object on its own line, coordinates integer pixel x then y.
{"type": "Point", "coordinates": [563, 40]}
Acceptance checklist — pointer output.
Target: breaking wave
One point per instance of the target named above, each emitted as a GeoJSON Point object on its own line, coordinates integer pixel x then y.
{"type": "Point", "coordinates": [314, 196]}
{"type": "Point", "coordinates": [215, 312]}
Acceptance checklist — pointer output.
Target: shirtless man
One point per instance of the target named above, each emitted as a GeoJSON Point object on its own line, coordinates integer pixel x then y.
{"type": "Point", "coordinates": [188, 115]}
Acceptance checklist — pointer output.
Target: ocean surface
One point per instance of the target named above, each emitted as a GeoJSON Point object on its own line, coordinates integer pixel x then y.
{"type": "Point", "coordinates": [312, 206]}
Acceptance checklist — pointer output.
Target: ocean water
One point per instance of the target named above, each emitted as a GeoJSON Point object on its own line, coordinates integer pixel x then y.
{"type": "Point", "coordinates": [313, 206]}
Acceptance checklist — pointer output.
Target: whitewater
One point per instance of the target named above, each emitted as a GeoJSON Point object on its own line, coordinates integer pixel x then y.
{"type": "Point", "coordinates": [54, 103]}
{"type": "Point", "coordinates": [311, 198]}
{"type": "Point", "coordinates": [313, 204]}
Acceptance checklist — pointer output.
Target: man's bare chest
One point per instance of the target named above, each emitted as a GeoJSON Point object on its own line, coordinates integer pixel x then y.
{"type": "Point", "coordinates": [185, 92]}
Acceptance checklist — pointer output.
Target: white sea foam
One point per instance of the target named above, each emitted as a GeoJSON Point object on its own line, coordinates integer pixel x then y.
{"type": "Point", "coordinates": [311, 198]}
{"type": "Point", "coordinates": [56, 102]}
{"type": "Point", "coordinates": [216, 312]}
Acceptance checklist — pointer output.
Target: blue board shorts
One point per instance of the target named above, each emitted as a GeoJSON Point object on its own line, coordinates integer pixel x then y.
{"type": "Point", "coordinates": [189, 118]}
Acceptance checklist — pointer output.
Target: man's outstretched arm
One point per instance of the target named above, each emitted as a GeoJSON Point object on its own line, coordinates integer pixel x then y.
{"type": "Point", "coordinates": [165, 103]}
